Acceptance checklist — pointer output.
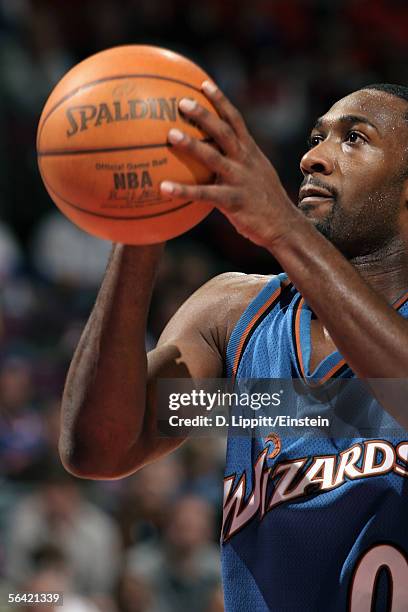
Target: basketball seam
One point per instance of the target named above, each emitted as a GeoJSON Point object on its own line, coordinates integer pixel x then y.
{"type": "Point", "coordinates": [59, 153]}
{"type": "Point", "coordinates": [104, 80]}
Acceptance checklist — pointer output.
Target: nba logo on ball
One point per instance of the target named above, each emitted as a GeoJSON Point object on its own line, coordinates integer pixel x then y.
{"type": "Point", "coordinates": [102, 144]}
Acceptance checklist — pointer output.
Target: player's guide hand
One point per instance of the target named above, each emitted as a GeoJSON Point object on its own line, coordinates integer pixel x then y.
{"type": "Point", "coordinates": [247, 188]}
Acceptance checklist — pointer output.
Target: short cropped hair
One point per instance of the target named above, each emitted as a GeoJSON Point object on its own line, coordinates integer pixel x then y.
{"type": "Point", "coordinates": [400, 91]}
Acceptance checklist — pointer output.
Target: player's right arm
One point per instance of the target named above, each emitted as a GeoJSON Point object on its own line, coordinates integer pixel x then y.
{"type": "Point", "coordinates": [108, 410]}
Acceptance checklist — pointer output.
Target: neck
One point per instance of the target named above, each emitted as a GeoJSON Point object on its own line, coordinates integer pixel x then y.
{"type": "Point", "coordinates": [386, 269]}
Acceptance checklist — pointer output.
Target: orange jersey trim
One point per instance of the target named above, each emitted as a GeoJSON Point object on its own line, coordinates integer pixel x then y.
{"type": "Point", "coordinates": [401, 301]}
{"type": "Point", "coordinates": [252, 323]}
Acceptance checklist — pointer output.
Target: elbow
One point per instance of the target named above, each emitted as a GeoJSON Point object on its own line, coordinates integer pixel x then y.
{"type": "Point", "coordinates": [84, 464]}
{"type": "Point", "coordinates": [81, 468]}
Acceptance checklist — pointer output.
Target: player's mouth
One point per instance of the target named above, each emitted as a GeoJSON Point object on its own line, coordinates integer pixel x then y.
{"type": "Point", "coordinates": [312, 196]}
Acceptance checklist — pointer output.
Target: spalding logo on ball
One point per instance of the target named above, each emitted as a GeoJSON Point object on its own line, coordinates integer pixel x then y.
{"type": "Point", "coordinates": [102, 144]}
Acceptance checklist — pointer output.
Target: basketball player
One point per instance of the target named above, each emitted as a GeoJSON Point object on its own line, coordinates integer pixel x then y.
{"type": "Point", "coordinates": [339, 310]}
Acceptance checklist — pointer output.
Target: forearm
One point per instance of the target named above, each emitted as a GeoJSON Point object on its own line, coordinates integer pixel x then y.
{"type": "Point", "coordinates": [371, 336]}
{"type": "Point", "coordinates": [104, 399]}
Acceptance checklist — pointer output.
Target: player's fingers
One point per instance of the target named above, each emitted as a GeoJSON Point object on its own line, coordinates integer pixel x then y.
{"type": "Point", "coordinates": [219, 130]}
{"type": "Point", "coordinates": [225, 109]}
{"type": "Point", "coordinates": [202, 151]}
{"type": "Point", "coordinates": [197, 193]}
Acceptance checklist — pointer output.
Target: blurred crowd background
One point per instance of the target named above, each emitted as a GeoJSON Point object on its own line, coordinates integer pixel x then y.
{"type": "Point", "coordinates": [147, 543]}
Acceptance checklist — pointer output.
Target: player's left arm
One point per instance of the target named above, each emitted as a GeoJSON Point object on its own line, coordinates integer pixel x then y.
{"type": "Point", "coordinates": [371, 336]}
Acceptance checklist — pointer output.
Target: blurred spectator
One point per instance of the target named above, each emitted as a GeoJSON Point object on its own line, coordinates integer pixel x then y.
{"type": "Point", "coordinates": [10, 253]}
{"type": "Point", "coordinates": [65, 254]}
{"type": "Point", "coordinates": [55, 579]}
{"type": "Point", "coordinates": [57, 515]}
{"type": "Point", "coordinates": [135, 594]}
{"type": "Point", "coordinates": [184, 569]}
{"type": "Point", "coordinates": [21, 428]}
{"type": "Point", "coordinates": [46, 460]}
{"type": "Point", "coordinates": [36, 57]}
{"type": "Point", "coordinates": [143, 510]}
{"type": "Point", "coordinates": [203, 460]}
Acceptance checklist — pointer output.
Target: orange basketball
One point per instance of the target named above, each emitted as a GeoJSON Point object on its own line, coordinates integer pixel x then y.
{"type": "Point", "coordinates": [102, 144]}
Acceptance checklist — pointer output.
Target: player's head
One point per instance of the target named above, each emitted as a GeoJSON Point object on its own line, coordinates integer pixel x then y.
{"type": "Point", "coordinates": [355, 183]}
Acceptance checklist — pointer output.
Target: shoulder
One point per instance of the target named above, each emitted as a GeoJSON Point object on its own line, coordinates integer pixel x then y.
{"type": "Point", "coordinates": [227, 296]}
{"type": "Point", "coordinates": [238, 280]}
{"type": "Point", "coordinates": [235, 289]}
{"type": "Point", "coordinates": [231, 290]}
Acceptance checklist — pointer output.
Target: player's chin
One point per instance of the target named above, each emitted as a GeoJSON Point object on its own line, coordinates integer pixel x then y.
{"type": "Point", "coordinates": [322, 222]}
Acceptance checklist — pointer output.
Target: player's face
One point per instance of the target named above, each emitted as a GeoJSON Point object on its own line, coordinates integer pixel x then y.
{"type": "Point", "coordinates": [356, 170]}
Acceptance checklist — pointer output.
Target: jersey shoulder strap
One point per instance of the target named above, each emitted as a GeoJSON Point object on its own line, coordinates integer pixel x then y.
{"type": "Point", "coordinates": [254, 314]}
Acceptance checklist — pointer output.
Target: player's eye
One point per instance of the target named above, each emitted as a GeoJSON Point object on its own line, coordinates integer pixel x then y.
{"type": "Point", "coordinates": [354, 137]}
{"type": "Point", "coordinates": [314, 140]}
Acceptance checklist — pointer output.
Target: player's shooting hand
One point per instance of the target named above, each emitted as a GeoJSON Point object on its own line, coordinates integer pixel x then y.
{"type": "Point", "coordinates": [247, 188]}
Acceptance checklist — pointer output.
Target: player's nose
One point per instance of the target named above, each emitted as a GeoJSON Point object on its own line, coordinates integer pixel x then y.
{"type": "Point", "coordinates": [317, 160]}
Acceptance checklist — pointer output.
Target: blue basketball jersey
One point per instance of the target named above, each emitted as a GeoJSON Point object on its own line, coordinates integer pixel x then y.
{"type": "Point", "coordinates": [311, 524]}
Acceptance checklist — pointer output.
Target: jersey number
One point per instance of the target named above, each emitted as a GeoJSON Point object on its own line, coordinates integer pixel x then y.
{"type": "Point", "coordinates": [366, 574]}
